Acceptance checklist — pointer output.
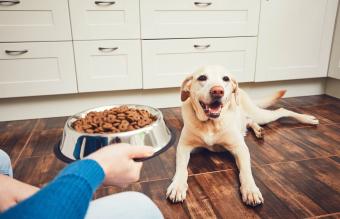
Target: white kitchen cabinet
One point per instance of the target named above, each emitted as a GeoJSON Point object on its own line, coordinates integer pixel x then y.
{"type": "Point", "coordinates": [108, 65]}
{"type": "Point", "coordinates": [294, 39]}
{"type": "Point", "coordinates": [334, 65]}
{"type": "Point", "coordinates": [167, 62]}
{"type": "Point", "coordinates": [187, 18]}
{"type": "Point", "coordinates": [40, 68]}
{"type": "Point", "coordinates": [34, 20]}
{"type": "Point", "coordinates": [105, 19]}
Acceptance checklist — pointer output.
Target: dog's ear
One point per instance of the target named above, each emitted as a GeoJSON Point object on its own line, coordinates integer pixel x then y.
{"type": "Point", "coordinates": [185, 88]}
{"type": "Point", "coordinates": [235, 90]}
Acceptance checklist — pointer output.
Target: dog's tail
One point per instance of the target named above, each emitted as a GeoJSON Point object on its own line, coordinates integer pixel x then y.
{"type": "Point", "coordinates": [270, 100]}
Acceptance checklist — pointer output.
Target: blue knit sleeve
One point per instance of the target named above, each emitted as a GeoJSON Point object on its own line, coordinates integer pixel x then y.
{"type": "Point", "coordinates": [67, 196]}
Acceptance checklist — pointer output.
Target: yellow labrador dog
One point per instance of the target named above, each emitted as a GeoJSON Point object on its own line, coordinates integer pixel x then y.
{"type": "Point", "coordinates": [217, 112]}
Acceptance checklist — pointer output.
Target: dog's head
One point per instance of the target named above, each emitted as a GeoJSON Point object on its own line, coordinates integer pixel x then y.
{"type": "Point", "coordinates": [210, 88]}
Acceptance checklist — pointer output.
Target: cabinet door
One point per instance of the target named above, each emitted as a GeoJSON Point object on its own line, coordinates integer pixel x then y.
{"type": "Point", "coordinates": [31, 69]}
{"type": "Point", "coordinates": [107, 19]}
{"type": "Point", "coordinates": [167, 62]}
{"type": "Point", "coordinates": [212, 18]}
{"type": "Point", "coordinates": [108, 65]}
{"type": "Point", "coordinates": [334, 65]}
{"type": "Point", "coordinates": [34, 20]}
{"type": "Point", "coordinates": [294, 39]}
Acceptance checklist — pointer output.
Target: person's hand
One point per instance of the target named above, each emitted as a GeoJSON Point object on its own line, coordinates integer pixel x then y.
{"type": "Point", "coordinates": [13, 191]}
{"type": "Point", "coordinates": [117, 162]}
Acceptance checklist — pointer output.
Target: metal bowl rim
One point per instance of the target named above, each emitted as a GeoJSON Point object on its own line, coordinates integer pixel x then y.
{"type": "Point", "coordinates": [119, 134]}
{"type": "Point", "coordinates": [171, 142]}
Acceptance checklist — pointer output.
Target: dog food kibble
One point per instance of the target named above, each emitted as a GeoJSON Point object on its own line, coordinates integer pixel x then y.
{"type": "Point", "coordinates": [117, 119]}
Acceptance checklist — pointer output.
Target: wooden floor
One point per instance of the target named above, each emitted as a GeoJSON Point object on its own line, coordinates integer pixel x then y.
{"type": "Point", "coordinates": [297, 167]}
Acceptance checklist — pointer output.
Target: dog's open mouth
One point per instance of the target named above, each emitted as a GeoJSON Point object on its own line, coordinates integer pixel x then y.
{"type": "Point", "coordinates": [213, 109]}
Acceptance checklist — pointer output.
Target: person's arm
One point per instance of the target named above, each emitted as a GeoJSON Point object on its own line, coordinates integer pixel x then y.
{"type": "Point", "coordinates": [67, 196]}
{"type": "Point", "coordinates": [13, 191]}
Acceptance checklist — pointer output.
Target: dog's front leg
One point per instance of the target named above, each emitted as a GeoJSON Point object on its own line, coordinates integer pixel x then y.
{"type": "Point", "coordinates": [176, 192]}
{"type": "Point", "coordinates": [251, 194]}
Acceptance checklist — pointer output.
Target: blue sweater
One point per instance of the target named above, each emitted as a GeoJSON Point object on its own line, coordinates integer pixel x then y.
{"type": "Point", "coordinates": [67, 196]}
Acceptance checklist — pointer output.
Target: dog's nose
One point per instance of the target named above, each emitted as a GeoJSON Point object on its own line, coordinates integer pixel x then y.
{"type": "Point", "coordinates": [217, 92]}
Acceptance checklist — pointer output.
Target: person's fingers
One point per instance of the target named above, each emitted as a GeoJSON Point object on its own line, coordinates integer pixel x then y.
{"type": "Point", "coordinates": [140, 151]}
{"type": "Point", "coordinates": [134, 172]}
{"type": "Point", "coordinates": [138, 168]}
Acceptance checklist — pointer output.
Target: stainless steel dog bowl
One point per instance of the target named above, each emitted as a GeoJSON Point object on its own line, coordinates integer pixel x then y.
{"type": "Point", "coordinates": [77, 145]}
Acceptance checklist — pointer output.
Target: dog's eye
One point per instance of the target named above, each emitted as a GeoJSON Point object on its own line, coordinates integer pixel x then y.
{"type": "Point", "coordinates": [225, 78]}
{"type": "Point", "coordinates": [202, 78]}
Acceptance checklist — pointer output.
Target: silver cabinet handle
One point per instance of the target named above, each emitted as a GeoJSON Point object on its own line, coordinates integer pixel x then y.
{"type": "Point", "coordinates": [104, 49]}
{"type": "Point", "coordinates": [16, 52]}
{"type": "Point", "coordinates": [105, 3]}
{"type": "Point", "coordinates": [201, 46]}
{"type": "Point", "coordinates": [203, 4]}
{"type": "Point", "coordinates": [9, 2]}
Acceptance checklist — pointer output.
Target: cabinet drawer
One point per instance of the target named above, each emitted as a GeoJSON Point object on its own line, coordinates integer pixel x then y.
{"type": "Point", "coordinates": [34, 20]}
{"type": "Point", "coordinates": [167, 62]}
{"type": "Point", "coordinates": [29, 69]}
{"type": "Point", "coordinates": [187, 18]}
{"type": "Point", "coordinates": [106, 19]}
{"type": "Point", "coordinates": [108, 65]}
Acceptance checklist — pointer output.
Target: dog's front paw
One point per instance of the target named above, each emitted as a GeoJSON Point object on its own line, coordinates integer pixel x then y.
{"type": "Point", "coordinates": [251, 195]}
{"type": "Point", "coordinates": [177, 192]}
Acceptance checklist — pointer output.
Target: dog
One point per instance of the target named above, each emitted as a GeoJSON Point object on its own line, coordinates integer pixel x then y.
{"type": "Point", "coordinates": [216, 112]}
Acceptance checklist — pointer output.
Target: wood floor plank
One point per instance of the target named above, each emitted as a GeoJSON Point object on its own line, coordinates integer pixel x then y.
{"type": "Point", "coordinates": [324, 171]}
{"type": "Point", "coordinates": [327, 113]}
{"type": "Point", "coordinates": [304, 182]}
{"type": "Point", "coordinates": [14, 136]}
{"type": "Point", "coordinates": [335, 158]}
{"type": "Point", "coordinates": [42, 142]}
{"type": "Point", "coordinates": [104, 191]}
{"type": "Point", "coordinates": [274, 148]}
{"type": "Point", "coordinates": [279, 186]}
{"type": "Point", "coordinates": [38, 171]}
{"type": "Point", "coordinates": [327, 216]}
{"type": "Point", "coordinates": [323, 139]}
{"type": "Point", "coordinates": [51, 123]}
{"type": "Point", "coordinates": [313, 100]}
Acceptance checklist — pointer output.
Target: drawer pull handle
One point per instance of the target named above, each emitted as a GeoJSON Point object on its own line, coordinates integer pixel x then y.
{"type": "Point", "coordinates": [9, 3]}
{"type": "Point", "coordinates": [202, 46]}
{"type": "Point", "coordinates": [105, 3]}
{"type": "Point", "coordinates": [203, 4]}
{"type": "Point", "coordinates": [103, 49]}
{"type": "Point", "coordinates": [16, 52]}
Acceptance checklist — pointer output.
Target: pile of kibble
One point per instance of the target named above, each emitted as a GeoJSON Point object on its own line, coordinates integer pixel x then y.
{"type": "Point", "coordinates": [114, 120]}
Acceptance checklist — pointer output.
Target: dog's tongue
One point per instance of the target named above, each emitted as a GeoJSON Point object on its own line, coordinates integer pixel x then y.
{"type": "Point", "coordinates": [214, 110]}
{"type": "Point", "coordinates": [215, 107]}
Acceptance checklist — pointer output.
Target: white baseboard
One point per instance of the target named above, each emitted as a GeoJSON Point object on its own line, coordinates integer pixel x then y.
{"type": "Point", "coordinates": [333, 87]}
{"type": "Point", "coordinates": [65, 105]}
